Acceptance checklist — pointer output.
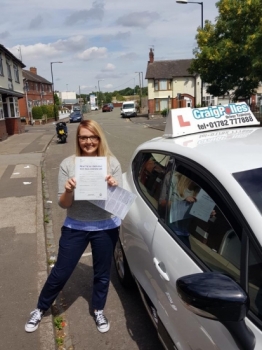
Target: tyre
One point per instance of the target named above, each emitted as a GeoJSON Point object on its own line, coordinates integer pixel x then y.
{"type": "Point", "coordinates": [122, 268]}
{"type": "Point", "coordinates": [63, 139]}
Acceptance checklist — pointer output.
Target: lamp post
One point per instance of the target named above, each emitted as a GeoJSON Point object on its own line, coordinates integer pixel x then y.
{"type": "Point", "coordinates": [202, 26]}
{"type": "Point", "coordinates": [99, 89]}
{"type": "Point", "coordinates": [51, 63]}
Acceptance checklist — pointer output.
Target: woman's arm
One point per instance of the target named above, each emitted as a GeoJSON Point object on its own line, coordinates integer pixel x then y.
{"type": "Point", "coordinates": [115, 177]}
{"type": "Point", "coordinates": [66, 185]}
{"type": "Point", "coordinates": [67, 197]}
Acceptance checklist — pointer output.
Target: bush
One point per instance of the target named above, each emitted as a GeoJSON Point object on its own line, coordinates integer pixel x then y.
{"type": "Point", "coordinates": [164, 112]}
{"type": "Point", "coordinates": [37, 112]}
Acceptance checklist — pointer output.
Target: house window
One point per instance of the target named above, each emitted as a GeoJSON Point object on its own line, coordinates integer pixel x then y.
{"type": "Point", "coordinates": [208, 100]}
{"type": "Point", "coordinates": [162, 103]}
{"type": "Point", "coordinates": [16, 73]}
{"type": "Point", "coordinates": [13, 107]}
{"type": "Point", "coordinates": [1, 66]}
{"type": "Point", "coordinates": [9, 74]}
{"type": "Point", "coordinates": [162, 85]}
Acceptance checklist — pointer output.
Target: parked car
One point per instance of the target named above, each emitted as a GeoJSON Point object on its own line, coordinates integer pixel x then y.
{"type": "Point", "coordinates": [192, 240]}
{"type": "Point", "coordinates": [94, 108]}
{"type": "Point", "coordinates": [75, 117]}
{"type": "Point", "coordinates": [106, 108]}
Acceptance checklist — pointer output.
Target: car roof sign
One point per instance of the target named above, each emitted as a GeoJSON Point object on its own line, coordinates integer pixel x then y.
{"type": "Point", "coordinates": [185, 121]}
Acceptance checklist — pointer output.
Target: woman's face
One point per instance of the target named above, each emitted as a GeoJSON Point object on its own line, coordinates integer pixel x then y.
{"type": "Point", "coordinates": [88, 142]}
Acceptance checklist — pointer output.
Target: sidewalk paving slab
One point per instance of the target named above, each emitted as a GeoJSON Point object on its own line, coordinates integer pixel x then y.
{"type": "Point", "coordinates": [23, 262]}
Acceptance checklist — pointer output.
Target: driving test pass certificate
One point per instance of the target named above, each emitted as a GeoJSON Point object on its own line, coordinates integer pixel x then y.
{"type": "Point", "coordinates": [90, 174]}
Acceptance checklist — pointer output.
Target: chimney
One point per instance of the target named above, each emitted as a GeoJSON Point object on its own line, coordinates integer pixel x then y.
{"type": "Point", "coordinates": [151, 56]}
{"type": "Point", "coordinates": [33, 70]}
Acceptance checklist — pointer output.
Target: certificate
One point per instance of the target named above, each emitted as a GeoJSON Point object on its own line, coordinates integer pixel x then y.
{"type": "Point", "coordinates": [118, 203]}
{"type": "Point", "coordinates": [90, 174]}
{"type": "Point", "coordinates": [203, 207]}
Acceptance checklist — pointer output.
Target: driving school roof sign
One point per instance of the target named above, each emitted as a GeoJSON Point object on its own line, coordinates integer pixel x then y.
{"type": "Point", "coordinates": [184, 121]}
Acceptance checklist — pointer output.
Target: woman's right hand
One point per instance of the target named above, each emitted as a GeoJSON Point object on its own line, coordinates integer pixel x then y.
{"type": "Point", "coordinates": [70, 185]}
{"type": "Point", "coordinates": [191, 199]}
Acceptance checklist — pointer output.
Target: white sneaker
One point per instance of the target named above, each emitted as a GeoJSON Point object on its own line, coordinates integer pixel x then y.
{"type": "Point", "coordinates": [34, 320]}
{"type": "Point", "coordinates": [102, 323]}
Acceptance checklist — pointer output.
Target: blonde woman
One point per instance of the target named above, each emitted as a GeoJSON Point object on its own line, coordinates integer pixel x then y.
{"type": "Point", "coordinates": [84, 223]}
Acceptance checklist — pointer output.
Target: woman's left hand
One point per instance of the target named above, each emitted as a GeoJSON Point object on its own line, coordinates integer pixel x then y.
{"type": "Point", "coordinates": [111, 180]}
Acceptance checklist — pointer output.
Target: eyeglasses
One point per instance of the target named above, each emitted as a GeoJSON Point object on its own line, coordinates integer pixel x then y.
{"type": "Point", "coordinates": [93, 138]}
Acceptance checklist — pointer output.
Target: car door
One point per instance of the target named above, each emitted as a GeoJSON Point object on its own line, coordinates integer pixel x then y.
{"type": "Point", "coordinates": [190, 240]}
{"type": "Point", "coordinates": [137, 230]}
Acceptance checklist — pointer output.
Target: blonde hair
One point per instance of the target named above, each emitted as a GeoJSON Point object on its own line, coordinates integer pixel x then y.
{"type": "Point", "coordinates": [103, 148]}
{"type": "Point", "coordinates": [184, 183]}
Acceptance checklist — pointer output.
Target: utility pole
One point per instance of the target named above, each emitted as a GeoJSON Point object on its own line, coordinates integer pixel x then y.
{"type": "Point", "coordinates": [140, 89]}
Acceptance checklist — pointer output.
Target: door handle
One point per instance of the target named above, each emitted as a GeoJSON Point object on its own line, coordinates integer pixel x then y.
{"type": "Point", "coordinates": [160, 270]}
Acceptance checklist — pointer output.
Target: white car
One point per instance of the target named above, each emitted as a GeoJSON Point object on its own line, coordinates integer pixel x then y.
{"type": "Point", "coordinates": [94, 108]}
{"type": "Point", "coordinates": [192, 240]}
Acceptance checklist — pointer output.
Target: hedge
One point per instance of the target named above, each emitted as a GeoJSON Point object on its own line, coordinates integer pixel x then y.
{"type": "Point", "coordinates": [39, 111]}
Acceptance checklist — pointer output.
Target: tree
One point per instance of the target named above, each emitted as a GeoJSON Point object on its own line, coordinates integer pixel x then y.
{"type": "Point", "coordinates": [228, 56]}
{"type": "Point", "coordinates": [56, 100]}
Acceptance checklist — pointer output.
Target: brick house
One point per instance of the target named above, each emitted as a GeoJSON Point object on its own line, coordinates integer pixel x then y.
{"type": "Point", "coordinates": [11, 89]}
{"type": "Point", "coordinates": [38, 92]}
{"type": "Point", "coordinates": [171, 86]}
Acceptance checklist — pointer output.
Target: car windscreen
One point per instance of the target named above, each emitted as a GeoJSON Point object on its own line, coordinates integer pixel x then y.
{"type": "Point", "coordinates": [129, 105]}
{"type": "Point", "coordinates": [251, 182]}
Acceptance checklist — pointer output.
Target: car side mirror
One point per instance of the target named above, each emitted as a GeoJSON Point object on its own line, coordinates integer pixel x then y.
{"type": "Point", "coordinates": [217, 296]}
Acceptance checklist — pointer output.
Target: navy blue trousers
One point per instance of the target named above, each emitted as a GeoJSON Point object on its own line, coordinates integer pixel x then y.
{"type": "Point", "coordinates": [72, 245]}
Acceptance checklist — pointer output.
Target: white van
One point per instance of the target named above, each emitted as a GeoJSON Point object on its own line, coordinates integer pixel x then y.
{"type": "Point", "coordinates": [128, 109]}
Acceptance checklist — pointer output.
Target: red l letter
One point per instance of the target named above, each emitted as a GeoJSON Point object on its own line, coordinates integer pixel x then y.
{"type": "Point", "coordinates": [181, 121]}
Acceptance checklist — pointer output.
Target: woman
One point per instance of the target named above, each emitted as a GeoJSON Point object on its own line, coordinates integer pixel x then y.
{"type": "Point", "coordinates": [182, 194]}
{"type": "Point", "coordinates": [84, 223]}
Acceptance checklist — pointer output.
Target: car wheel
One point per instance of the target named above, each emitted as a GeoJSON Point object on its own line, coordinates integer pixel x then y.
{"type": "Point", "coordinates": [122, 268]}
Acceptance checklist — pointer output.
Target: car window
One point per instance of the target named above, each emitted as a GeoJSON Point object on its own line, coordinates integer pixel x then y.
{"type": "Point", "coordinates": [150, 176]}
{"type": "Point", "coordinates": [196, 221]}
{"type": "Point", "coordinates": [255, 281]}
{"type": "Point", "coordinates": [250, 181]}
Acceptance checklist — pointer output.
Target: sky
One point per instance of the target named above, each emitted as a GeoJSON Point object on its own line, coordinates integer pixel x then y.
{"type": "Point", "coordinates": [101, 42]}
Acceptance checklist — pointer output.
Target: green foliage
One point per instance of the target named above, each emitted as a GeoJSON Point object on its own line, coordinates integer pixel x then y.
{"type": "Point", "coordinates": [120, 97]}
{"type": "Point", "coordinates": [58, 321]}
{"type": "Point", "coordinates": [228, 55]}
{"type": "Point", "coordinates": [164, 112]}
{"type": "Point", "coordinates": [59, 341]}
{"type": "Point", "coordinates": [37, 112]}
{"type": "Point", "coordinates": [56, 100]}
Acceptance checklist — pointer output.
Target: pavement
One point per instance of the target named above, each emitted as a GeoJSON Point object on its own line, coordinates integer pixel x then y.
{"type": "Point", "coordinates": [25, 236]}
{"type": "Point", "coordinates": [23, 261]}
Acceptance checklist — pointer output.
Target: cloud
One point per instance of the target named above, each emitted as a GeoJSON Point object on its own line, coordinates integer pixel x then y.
{"type": "Point", "coordinates": [118, 36]}
{"type": "Point", "coordinates": [108, 86]}
{"type": "Point", "coordinates": [36, 51]}
{"type": "Point", "coordinates": [131, 56]}
{"type": "Point", "coordinates": [40, 50]}
{"type": "Point", "coordinates": [96, 13]}
{"type": "Point", "coordinates": [109, 68]}
{"type": "Point", "coordinates": [73, 43]}
{"type": "Point", "coordinates": [36, 22]}
{"type": "Point", "coordinates": [4, 35]}
{"type": "Point", "coordinates": [93, 53]}
{"type": "Point", "coordinates": [138, 19]}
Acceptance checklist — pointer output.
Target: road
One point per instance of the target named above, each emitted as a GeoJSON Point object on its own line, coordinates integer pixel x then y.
{"type": "Point", "coordinates": [131, 327]}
